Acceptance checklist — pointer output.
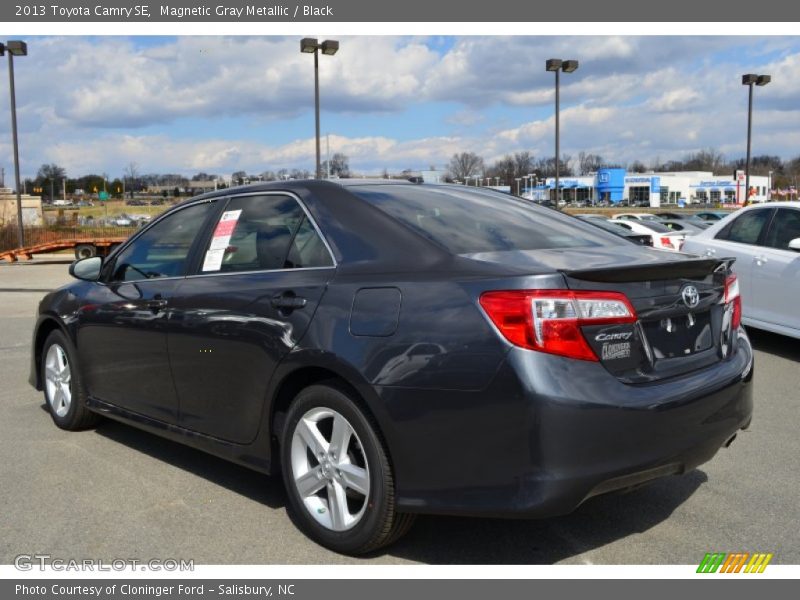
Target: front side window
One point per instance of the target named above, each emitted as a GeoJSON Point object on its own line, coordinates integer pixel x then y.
{"type": "Point", "coordinates": [264, 233]}
{"type": "Point", "coordinates": [746, 229]}
{"type": "Point", "coordinates": [785, 228]}
{"type": "Point", "coordinates": [163, 250]}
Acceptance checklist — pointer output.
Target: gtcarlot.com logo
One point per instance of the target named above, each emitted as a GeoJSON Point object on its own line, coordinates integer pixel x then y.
{"type": "Point", "coordinates": [43, 562]}
{"type": "Point", "coordinates": [735, 562]}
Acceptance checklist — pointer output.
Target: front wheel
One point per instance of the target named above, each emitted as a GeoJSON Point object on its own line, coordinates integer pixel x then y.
{"type": "Point", "coordinates": [337, 473]}
{"type": "Point", "coordinates": [63, 389]}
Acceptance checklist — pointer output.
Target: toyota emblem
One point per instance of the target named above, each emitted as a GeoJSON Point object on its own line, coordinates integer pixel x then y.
{"type": "Point", "coordinates": [690, 295]}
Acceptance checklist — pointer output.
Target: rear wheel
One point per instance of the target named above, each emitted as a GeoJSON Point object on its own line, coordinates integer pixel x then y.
{"type": "Point", "coordinates": [337, 473]}
{"type": "Point", "coordinates": [63, 389]}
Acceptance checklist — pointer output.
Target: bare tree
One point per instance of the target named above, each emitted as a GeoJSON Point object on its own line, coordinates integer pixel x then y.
{"type": "Point", "coordinates": [130, 177]}
{"type": "Point", "coordinates": [466, 164]}
{"type": "Point", "coordinates": [589, 163]}
{"type": "Point", "coordinates": [504, 168]}
{"type": "Point", "coordinates": [523, 163]}
{"type": "Point", "coordinates": [339, 167]}
{"type": "Point", "coordinates": [546, 167]}
{"type": "Point", "coordinates": [49, 175]}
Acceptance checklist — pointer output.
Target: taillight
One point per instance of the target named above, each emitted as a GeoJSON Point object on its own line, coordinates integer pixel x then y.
{"type": "Point", "coordinates": [732, 295]}
{"type": "Point", "coordinates": [666, 242]}
{"type": "Point", "coordinates": [551, 320]}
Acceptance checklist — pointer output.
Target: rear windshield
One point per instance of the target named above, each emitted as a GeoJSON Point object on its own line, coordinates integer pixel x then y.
{"type": "Point", "coordinates": [657, 227]}
{"type": "Point", "coordinates": [467, 221]}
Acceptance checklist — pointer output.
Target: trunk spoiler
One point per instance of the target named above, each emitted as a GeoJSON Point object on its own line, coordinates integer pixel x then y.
{"type": "Point", "coordinates": [679, 269]}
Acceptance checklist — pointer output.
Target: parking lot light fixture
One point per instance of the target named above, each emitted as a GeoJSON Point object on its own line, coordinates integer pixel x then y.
{"type": "Point", "coordinates": [556, 65]}
{"type": "Point", "coordinates": [312, 46]}
{"type": "Point", "coordinates": [15, 48]}
{"type": "Point", "coordinates": [750, 80]}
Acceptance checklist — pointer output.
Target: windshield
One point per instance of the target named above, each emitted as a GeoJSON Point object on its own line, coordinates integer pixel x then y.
{"type": "Point", "coordinates": [467, 221]}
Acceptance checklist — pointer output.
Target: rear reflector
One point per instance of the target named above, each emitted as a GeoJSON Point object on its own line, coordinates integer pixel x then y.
{"type": "Point", "coordinates": [732, 296]}
{"type": "Point", "coordinates": [551, 320]}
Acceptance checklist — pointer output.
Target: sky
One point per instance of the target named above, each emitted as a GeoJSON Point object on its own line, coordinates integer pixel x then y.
{"type": "Point", "coordinates": [223, 104]}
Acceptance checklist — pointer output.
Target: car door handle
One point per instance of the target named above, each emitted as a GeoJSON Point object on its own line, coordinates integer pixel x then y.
{"type": "Point", "coordinates": [711, 252]}
{"type": "Point", "coordinates": [760, 260]}
{"type": "Point", "coordinates": [156, 304]}
{"type": "Point", "coordinates": [288, 301]}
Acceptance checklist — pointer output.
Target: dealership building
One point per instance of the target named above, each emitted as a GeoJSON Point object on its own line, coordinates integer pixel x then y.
{"type": "Point", "coordinates": [683, 187]}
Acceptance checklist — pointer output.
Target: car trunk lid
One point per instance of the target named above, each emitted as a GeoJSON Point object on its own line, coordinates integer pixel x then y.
{"type": "Point", "coordinates": [679, 302]}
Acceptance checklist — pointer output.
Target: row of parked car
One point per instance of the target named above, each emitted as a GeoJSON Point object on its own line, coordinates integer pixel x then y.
{"type": "Point", "coordinates": [763, 238]}
{"type": "Point", "coordinates": [665, 230]}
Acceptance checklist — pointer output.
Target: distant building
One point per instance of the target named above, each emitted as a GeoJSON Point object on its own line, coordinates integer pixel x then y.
{"type": "Point", "coordinates": [31, 208]}
{"type": "Point", "coordinates": [689, 187]}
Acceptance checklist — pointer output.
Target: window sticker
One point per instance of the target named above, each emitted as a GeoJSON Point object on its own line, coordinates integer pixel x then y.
{"type": "Point", "coordinates": [220, 240]}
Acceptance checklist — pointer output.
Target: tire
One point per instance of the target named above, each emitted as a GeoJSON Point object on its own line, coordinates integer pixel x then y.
{"type": "Point", "coordinates": [85, 251]}
{"type": "Point", "coordinates": [368, 520]}
{"type": "Point", "coordinates": [64, 393]}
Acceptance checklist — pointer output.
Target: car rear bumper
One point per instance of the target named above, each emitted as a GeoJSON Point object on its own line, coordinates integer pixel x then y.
{"type": "Point", "coordinates": [550, 433]}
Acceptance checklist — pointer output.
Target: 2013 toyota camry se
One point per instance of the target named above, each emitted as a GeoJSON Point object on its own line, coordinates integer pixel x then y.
{"type": "Point", "coordinates": [395, 349]}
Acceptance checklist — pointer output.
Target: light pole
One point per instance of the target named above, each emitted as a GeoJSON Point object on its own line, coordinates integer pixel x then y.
{"type": "Point", "coordinates": [557, 65]}
{"type": "Point", "coordinates": [15, 48]}
{"type": "Point", "coordinates": [517, 179]}
{"type": "Point", "coordinates": [533, 182]}
{"type": "Point", "coordinates": [497, 181]}
{"type": "Point", "coordinates": [312, 46]}
{"type": "Point", "coordinates": [749, 80]}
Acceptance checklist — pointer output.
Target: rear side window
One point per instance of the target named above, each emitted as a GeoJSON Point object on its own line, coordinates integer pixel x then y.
{"type": "Point", "coordinates": [784, 228]}
{"type": "Point", "coordinates": [466, 221]}
{"type": "Point", "coordinates": [747, 228]}
{"type": "Point", "coordinates": [259, 233]}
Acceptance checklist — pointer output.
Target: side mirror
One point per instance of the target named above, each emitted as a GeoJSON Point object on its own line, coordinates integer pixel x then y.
{"type": "Point", "coordinates": [795, 245]}
{"type": "Point", "coordinates": [87, 269]}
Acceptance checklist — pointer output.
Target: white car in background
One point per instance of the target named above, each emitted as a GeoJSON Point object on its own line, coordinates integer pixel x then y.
{"type": "Point", "coordinates": [663, 237]}
{"type": "Point", "coordinates": [637, 217]}
{"type": "Point", "coordinates": [765, 241]}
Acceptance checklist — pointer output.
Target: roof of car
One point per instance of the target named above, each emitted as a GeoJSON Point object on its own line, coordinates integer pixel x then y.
{"type": "Point", "coordinates": [291, 184]}
{"type": "Point", "coordinates": [781, 204]}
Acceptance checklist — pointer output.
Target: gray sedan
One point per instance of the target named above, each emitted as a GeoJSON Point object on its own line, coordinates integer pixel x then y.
{"type": "Point", "coordinates": [765, 240]}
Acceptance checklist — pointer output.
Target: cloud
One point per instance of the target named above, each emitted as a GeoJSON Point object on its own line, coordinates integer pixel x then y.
{"type": "Point", "coordinates": [194, 103]}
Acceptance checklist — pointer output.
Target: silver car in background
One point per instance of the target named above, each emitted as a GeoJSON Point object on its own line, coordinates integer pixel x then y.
{"type": "Point", "coordinates": [765, 240]}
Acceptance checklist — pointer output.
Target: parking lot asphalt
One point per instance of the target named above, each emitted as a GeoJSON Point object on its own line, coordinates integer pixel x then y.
{"type": "Point", "coordinates": [117, 492]}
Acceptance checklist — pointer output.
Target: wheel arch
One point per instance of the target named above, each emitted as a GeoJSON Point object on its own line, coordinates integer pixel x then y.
{"type": "Point", "coordinates": [47, 324]}
{"type": "Point", "coordinates": [292, 381]}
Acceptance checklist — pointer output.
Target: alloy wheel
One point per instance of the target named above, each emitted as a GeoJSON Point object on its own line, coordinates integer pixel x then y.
{"type": "Point", "coordinates": [58, 380]}
{"type": "Point", "coordinates": [329, 469]}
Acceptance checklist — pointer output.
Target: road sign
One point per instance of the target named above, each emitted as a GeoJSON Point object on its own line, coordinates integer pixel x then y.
{"type": "Point", "coordinates": [102, 196]}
